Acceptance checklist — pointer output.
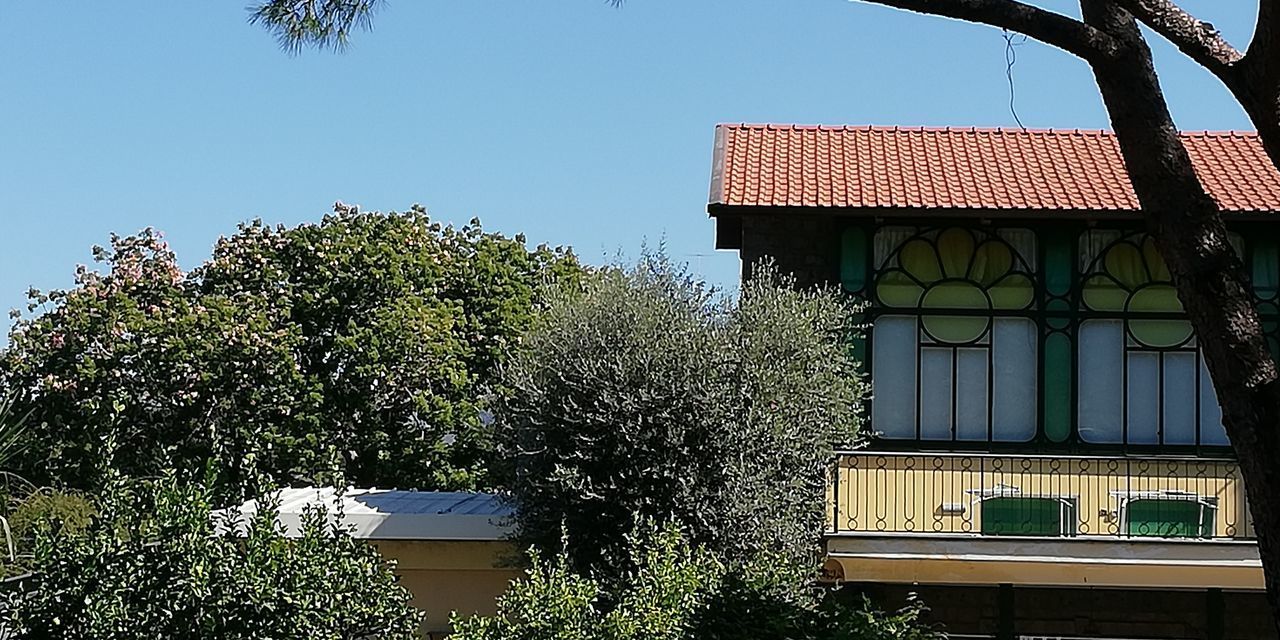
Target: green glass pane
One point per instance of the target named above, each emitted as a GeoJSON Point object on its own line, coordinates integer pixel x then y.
{"type": "Point", "coordinates": [853, 260]}
{"type": "Point", "coordinates": [1273, 345]}
{"type": "Point", "coordinates": [1157, 297]}
{"type": "Point", "coordinates": [1160, 334]}
{"type": "Point", "coordinates": [1266, 268]}
{"type": "Point", "coordinates": [1124, 263]}
{"type": "Point", "coordinates": [896, 289]}
{"type": "Point", "coordinates": [955, 295]}
{"type": "Point", "coordinates": [1167, 518]}
{"type": "Point", "coordinates": [918, 258]}
{"type": "Point", "coordinates": [955, 249]}
{"type": "Point", "coordinates": [991, 262]}
{"type": "Point", "coordinates": [1102, 294]}
{"type": "Point", "coordinates": [1057, 305]}
{"type": "Point", "coordinates": [1057, 387]}
{"type": "Point", "coordinates": [1013, 292]}
{"type": "Point", "coordinates": [1155, 262]}
{"type": "Point", "coordinates": [955, 329]}
{"type": "Point", "coordinates": [1057, 264]}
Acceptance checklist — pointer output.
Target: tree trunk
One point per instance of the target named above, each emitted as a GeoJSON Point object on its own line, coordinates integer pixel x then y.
{"type": "Point", "coordinates": [1255, 80]}
{"type": "Point", "coordinates": [1257, 89]}
{"type": "Point", "coordinates": [1211, 281]}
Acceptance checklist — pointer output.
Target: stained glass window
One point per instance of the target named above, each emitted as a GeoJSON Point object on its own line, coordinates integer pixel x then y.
{"type": "Point", "coordinates": [954, 349]}
{"type": "Point", "coordinates": [1067, 336]}
{"type": "Point", "coordinates": [1141, 377]}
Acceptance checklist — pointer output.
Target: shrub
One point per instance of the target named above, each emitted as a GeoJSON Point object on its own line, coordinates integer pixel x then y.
{"type": "Point", "coordinates": [677, 591]}
{"type": "Point", "coordinates": [155, 564]}
{"type": "Point", "coordinates": [57, 512]}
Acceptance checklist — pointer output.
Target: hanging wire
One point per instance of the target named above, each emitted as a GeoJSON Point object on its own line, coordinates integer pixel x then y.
{"type": "Point", "coordinates": [1011, 42]}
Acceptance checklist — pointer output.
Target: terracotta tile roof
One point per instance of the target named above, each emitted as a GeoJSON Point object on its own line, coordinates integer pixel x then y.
{"type": "Point", "coordinates": [965, 168]}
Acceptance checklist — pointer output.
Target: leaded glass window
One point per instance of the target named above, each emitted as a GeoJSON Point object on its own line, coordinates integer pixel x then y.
{"type": "Point", "coordinates": [954, 346]}
{"type": "Point", "coordinates": [1141, 378]}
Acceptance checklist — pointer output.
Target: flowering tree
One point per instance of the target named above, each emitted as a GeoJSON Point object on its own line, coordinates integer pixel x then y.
{"type": "Point", "coordinates": [360, 345]}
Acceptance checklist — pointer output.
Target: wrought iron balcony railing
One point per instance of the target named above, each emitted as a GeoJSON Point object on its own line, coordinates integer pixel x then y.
{"type": "Point", "coordinates": [1032, 495]}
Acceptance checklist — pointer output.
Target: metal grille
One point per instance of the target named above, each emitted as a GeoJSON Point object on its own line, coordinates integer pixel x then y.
{"type": "Point", "coordinates": [1041, 496]}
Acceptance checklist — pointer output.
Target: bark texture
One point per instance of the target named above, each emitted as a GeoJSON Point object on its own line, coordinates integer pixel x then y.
{"type": "Point", "coordinates": [1253, 77]}
{"type": "Point", "coordinates": [1210, 278]}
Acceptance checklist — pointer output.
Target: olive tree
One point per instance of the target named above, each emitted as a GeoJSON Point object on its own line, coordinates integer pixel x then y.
{"type": "Point", "coordinates": [644, 395]}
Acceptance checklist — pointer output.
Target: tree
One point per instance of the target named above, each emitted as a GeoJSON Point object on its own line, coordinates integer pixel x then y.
{"type": "Point", "coordinates": [401, 323]}
{"type": "Point", "coordinates": [157, 564]}
{"type": "Point", "coordinates": [130, 359]}
{"type": "Point", "coordinates": [644, 396]}
{"type": "Point", "coordinates": [1253, 76]}
{"type": "Point", "coordinates": [677, 591]}
{"type": "Point", "coordinates": [360, 346]}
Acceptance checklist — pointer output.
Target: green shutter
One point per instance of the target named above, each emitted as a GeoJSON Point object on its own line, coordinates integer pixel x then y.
{"type": "Point", "coordinates": [1018, 516]}
{"type": "Point", "coordinates": [1168, 518]}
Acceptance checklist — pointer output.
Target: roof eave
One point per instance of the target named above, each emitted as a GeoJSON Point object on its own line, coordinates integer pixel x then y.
{"type": "Point", "coordinates": [720, 209]}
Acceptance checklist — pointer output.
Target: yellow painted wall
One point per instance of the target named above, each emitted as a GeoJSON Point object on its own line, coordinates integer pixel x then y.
{"type": "Point", "coordinates": [889, 492]}
{"type": "Point", "coordinates": [447, 576]}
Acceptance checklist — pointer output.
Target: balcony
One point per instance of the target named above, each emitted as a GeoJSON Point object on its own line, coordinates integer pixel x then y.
{"type": "Point", "coordinates": [1042, 496]}
{"type": "Point", "coordinates": [958, 518]}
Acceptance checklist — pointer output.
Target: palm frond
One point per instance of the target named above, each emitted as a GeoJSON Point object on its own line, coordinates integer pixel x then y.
{"type": "Point", "coordinates": [13, 428]}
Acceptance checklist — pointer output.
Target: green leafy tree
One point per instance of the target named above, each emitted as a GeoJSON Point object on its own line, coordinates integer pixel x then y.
{"type": "Point", "coordinates": [157, 564]}
{"type": "Point", "coordinates": [357, 346]}
{"type": "Point", "coordinates": [643, 395]}
{"type": "Point", "coordinates": [401, 323]}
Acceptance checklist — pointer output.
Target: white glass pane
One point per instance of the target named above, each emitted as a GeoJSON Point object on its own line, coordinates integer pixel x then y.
{"type": "Point", "coordinates": [1092, 243]}
{"type": "Point", "coordinates": [1144, 398]}
{"type": "Point", "coordinates": [1100, 380]}
{"type": "Point", "coordinates": [1180, 398]}
{"type": "Point", "coordinates": [1024, 242]}
{"type": "Point", "coordinates": [935, 393]}
{"type": "Point", "coordinates": [971, 394]}
{"type": "Point", "coordinates": [893, 376]}
{"type": "Point", "coordinates": [1211, 431]}
{"type": "Point", "coordinates": [1014, 380]}
{"type": "Point", "coordinates": [888, 239]}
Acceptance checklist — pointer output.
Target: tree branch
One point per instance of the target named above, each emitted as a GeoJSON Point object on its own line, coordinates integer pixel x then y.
{"type": "Point", "coordinates": [1068, 34]}
{"type": "Point", "coordinates": [1200, 40]}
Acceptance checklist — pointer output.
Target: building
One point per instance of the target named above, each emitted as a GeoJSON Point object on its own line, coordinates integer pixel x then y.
{"type": "Point", "coordinates": [449, 549]}
{"type": "Point", "coordinates": [1049, 458]}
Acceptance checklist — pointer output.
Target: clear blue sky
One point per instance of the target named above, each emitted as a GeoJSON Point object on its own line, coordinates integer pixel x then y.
{"type": "Point", "coordinates": [571, 121]}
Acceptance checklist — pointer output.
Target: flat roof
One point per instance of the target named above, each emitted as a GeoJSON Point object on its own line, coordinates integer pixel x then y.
{"type": "Point", "coordinates": [389, 514]}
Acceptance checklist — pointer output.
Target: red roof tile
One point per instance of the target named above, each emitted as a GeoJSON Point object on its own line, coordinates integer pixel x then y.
{"type": "Point", "coordinates": [965, 168]}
